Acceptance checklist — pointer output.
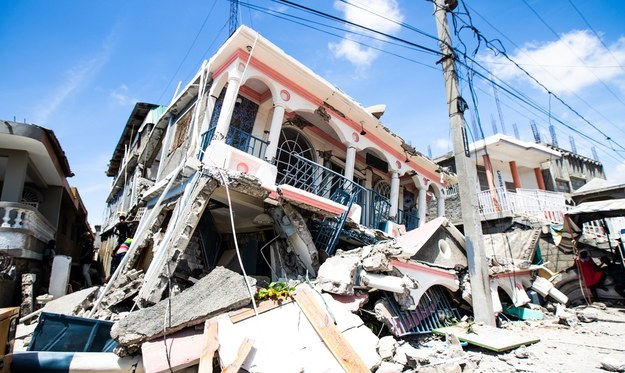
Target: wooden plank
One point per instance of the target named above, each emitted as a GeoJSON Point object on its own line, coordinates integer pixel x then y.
{"type": "Point", "coordinates": [210, 344]}
{"type": "Point", "coordinates": [329, 333]}
{"type": "Point", "coordinates": [244, 350]}
{"type": "Point", "coordinates": [488, 337]}
{"type": "Point", "coordinates": [264, 306]}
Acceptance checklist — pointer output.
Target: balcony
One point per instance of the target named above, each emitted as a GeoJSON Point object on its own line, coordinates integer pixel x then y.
{"type": "Point", "coordinates": [237, 139]}
{"type": "Point", "coordinates": [19, 223]}
{"type": "Point", "coordinates": [540, 205]}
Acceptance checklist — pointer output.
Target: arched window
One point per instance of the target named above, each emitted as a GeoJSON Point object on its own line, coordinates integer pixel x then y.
{"type": "Point", "coordinates": [31, 197]}
{"type": "Point", "coordinates": [293, 142]}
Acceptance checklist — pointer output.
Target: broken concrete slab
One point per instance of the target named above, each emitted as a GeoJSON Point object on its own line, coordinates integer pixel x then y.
{"type": "Point", "coordinates": [436, 242]}
{"type": "Point", "coordinates": [488, 337]}
{"type": "Point", "coordinates": [337, 274]}
{"type": "Point", "coordinates": [220, 291]}
{"type": "Point", "coordinates": [72, 303]}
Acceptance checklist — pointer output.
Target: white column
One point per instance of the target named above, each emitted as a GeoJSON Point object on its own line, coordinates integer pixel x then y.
{"type": "Point", "coordinates": [394, 195]}
{"type": "Point", "coordinates": [369, 185]}
{"type": "Point", "coordinates": [274, 132]}
{"type": "Point", "coordinates": [223, 123]}
{"type": "Point", "coordinates": [15, 176]}
{"type": "Point", "coordinates": [440, 207]}
{"type": "Point", "coordinates": [422, 207]}
{"type": "Point", "coordinates": [350, 162]}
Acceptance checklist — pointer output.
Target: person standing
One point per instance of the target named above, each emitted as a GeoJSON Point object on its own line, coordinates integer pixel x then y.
{"type": "Point", "coordinates": [86, 257]}
{"type": "Point", "coordinates": [119, 254]}
{"type": "Point", "coordinates": [122, 230]}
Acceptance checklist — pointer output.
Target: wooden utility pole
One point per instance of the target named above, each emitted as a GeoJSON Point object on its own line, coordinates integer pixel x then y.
{"type": "Point", "coordinates": [478, 267]}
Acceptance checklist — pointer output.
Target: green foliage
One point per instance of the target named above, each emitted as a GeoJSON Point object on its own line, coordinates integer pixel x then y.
{"type": "Point", "coordinates": [274, 290]}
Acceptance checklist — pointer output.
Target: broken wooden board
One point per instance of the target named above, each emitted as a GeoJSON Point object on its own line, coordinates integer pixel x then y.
{"type": "Point", "coordinates": [488, 337]}
{"type": "Point", "coordinates": [244, 350]}
{"type": "Point", "coordinates": [329, 333]}
{"type": "Point", "coordinates": [210, 344]}
{"type": "Point", "coordinates": [264, 306]}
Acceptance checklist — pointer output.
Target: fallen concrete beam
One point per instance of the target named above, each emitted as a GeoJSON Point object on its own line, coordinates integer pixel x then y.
{"type": "Point", "coordinates": [220, 291]}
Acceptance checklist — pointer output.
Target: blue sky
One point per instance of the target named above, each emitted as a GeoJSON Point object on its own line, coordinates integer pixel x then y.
{"type": "Point", "coordinates": [78, 67]}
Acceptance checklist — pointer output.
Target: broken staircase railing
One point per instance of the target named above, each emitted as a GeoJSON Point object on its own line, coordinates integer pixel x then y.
{"type": "Point", "coordinates": [311, 177]}
{"type": "Point", "coordinates": [238, 139]}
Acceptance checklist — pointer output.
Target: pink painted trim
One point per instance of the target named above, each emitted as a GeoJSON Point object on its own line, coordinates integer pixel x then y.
{"type": "Point", "coordinates": [275, 75]}
{"type": "Point", "coordinates": [424, 268]}
{"type": "Point", "coordinates": [302, 196]}
{"type": "Point", "coordinates": [249, 92]}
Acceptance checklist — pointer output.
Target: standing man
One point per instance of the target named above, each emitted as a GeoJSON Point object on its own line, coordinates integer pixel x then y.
{"type": "Point", "coordinates": [86, 258]}
{"type": "Point", "coordinates": [122, 230]}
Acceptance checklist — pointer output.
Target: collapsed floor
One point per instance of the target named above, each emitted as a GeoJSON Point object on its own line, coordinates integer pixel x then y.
{"type": "Point", "coordinates": [367, 302]}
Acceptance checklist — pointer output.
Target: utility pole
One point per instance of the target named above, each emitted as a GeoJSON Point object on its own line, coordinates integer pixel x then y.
{"type": "Point", "coordinates": [474, 243]}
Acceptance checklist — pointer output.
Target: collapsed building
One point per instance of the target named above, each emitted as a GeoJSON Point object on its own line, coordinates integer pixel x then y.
{"type": "Point", "coordinates": [259, 172]}
{"type": "Point", "coordinates": [259, 155]}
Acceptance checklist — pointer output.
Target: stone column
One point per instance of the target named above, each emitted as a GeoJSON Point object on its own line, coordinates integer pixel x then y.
{"type": "Point", "coordinates": [28, 294]}
{"type": "Point", "coordinates": [515, 174]}
{"type": "Point", "coordinates": [491, 182]}
{"type": "Point", "coordinates": [440, 207]}
{"type": "Point", "coordinates": [15, 176]}
{"type": "Point", "coordinates": [394, 195]}
{"type": "Point", "coordinates": [350, 162]}
{"type": "Point", "coordinates": [225, 115]}
{"type": "Point", "coordinates": [539, 178]}
{"type": "Point", "coordinates": [274, 132]}
{"type": "Point", "coordinates": [422, 205]}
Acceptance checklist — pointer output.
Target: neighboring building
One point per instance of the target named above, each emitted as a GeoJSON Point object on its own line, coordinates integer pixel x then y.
{"type": "Point", "coordinates": [259, 135]}
{"type": "Point", "coordinates": [36, 204]}
{"type": "Point", "coordinates": [570, 172]}
{"type": "Point", "coordinates": [522, 179]}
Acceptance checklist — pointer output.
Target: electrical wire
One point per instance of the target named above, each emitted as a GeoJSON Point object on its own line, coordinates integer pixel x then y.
{"type": "Point", "coordinates": [197, 35]}
{"type": "Point", "coordinates": [591, 107]}
{"type": "Point", "coordinates": [573, 52]}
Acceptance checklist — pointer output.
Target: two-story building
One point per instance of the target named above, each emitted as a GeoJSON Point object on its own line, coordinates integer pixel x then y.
{"type": "Point", "coordinates": [261, 156]}
{"type": "Point", "coordinates": [36, 203]}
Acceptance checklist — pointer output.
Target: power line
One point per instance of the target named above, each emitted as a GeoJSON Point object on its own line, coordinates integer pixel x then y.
{"type": "Point", "coordinates": [573, 52]}
{"type": "Point", "coordinates": [597, 35]}
{"type": "Point", "coordinates": [197, 35]}
{"type": "Point", "coordinates": [591, 107]}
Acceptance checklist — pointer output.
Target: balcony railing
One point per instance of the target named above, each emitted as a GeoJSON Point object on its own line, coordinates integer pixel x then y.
{"type": "Point", "coordinates": [24, 217]}
{"type": "Point", "coordinates": [538, 204]}
{"type": "Point", "coordinates": [237, 139]}
{"type": "Point", "coordinates": [311, 177]}
{"type": "Point", "coordinates": [409, 218]}
{"type": "Point", "coordinates": [376, 208]}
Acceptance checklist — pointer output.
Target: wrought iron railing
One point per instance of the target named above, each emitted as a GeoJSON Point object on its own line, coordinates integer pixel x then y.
{"type": "Point", "coordinates": [377, 211]}
{"type": "Point", "coordinates": [409, 218]}
{"type": "Point", "coordinates": [238, 139]}
{"type": "Point", "coordinates": [311, 177]}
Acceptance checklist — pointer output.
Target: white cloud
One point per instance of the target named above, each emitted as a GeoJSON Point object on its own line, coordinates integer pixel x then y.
{"type": "Point", "coordinates": [120, 96]}
{"type": "Point", "coordinates": [570, 64]}
{"type": "Point", "coordinates": [617, 174]}
{"type": "Point", "coordinates": [374, 14]}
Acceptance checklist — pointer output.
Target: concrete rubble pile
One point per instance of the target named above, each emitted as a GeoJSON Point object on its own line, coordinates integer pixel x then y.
{"type": "Point", "coordinates": [408, 290]}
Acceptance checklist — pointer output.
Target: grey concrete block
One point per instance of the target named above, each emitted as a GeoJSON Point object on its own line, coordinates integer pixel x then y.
{"type": "Point", "coordinates": [220, 291]}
